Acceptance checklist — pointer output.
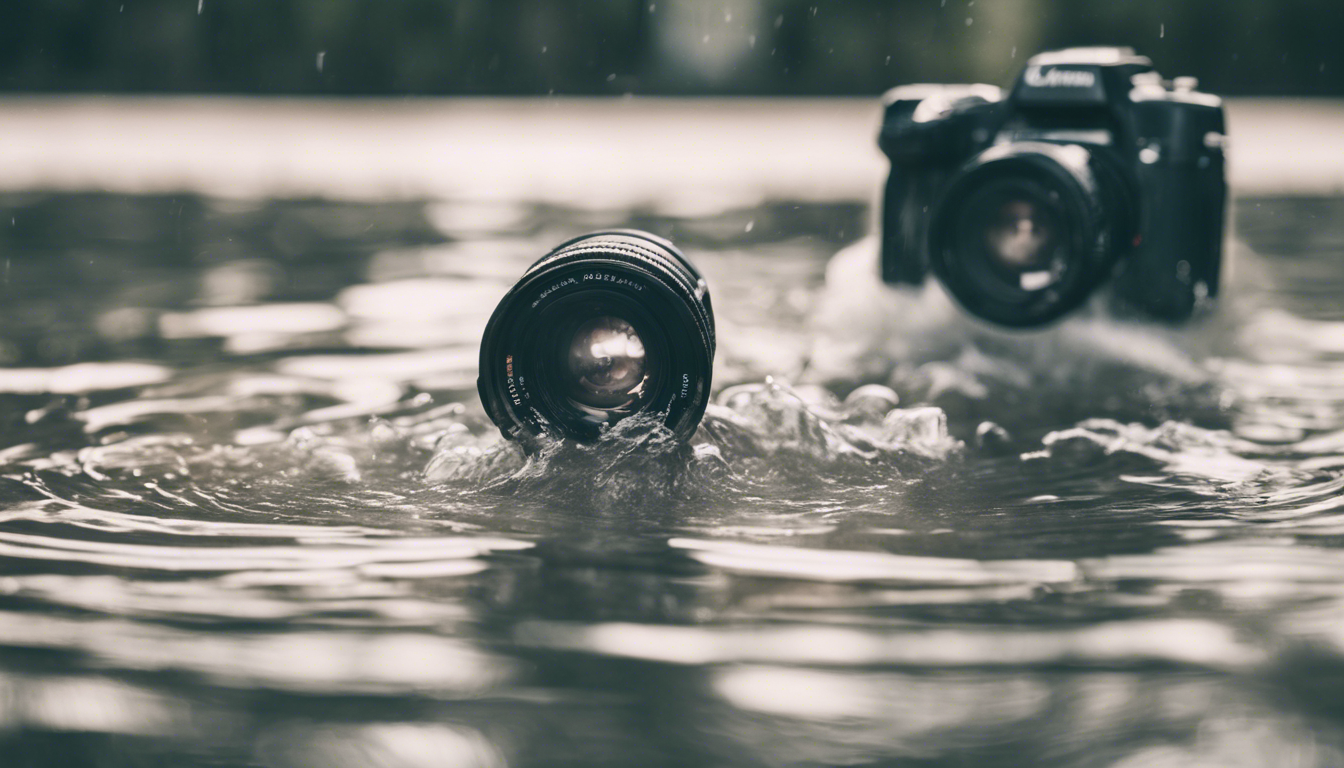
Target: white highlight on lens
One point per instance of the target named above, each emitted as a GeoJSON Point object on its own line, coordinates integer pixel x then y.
{"type": "Point", "coordinates": [1019, 237]}
{"type": "Point", "coordinates": [607, 360]}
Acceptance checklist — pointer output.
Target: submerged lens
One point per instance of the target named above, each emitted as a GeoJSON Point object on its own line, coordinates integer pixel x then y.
{"type": "Point", "coordinates": [605, 326]}
{"type": "Point", "coordinates": [1026, 231]}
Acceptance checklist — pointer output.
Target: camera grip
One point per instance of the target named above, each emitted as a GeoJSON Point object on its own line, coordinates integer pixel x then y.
{"type": "Point", "coordinates": [905, 214]}
{"type": "Point", "coordinates": [1178, 254]}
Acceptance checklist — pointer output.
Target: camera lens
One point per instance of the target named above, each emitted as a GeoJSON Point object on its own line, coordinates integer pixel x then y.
{"type": "Point", "coordinates": [605, 326]}
{"type": "Point", "coordinates": [1025, 232]}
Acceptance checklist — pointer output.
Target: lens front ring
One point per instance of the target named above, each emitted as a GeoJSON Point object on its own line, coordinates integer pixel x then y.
{"type": "Point", "coordinates": [629, 276]}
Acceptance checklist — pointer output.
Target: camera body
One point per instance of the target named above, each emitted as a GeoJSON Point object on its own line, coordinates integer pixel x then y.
{"type": "Point", "coordinates": [1091, 168]}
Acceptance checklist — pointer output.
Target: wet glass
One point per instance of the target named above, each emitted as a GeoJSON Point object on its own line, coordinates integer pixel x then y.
{"type": "Point", "coordinates": [606, 363]}
{"type": "Point", "coordinates": [1021, 235]}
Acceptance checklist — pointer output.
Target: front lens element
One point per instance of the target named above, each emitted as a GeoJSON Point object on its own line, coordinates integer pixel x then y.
{"type": "Point", "coordinates": [1010, 238]}
{"type": "Point", "coordinates": [606, 364]}
{"type": "Point", "coordinates": [1021, 234]}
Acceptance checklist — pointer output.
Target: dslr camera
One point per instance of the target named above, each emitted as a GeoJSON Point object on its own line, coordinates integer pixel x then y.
{"type": "Point", "coordinates": [1093, 170]}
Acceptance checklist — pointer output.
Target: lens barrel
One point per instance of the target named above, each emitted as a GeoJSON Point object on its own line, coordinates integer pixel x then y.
{"type": "Point", "coordinates": [1026, 231]}
{"type": "Point", "coordinates": [605, 326]}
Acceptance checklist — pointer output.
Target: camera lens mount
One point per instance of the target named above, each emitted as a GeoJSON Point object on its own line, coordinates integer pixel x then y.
{"type": "Point", "coordinates": [1026, 231]}
{"type": "Point", "coordinates": [605, 326]}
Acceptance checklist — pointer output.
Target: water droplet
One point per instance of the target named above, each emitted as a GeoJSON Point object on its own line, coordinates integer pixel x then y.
{"type": "Point", "coordinates": [779, 21]}
{"type": "Point", "coordinates": [320, 56]}
{"type": "Point", "coordinates": [705, 39]}
{"type": "Point", "coordinates": [652, 7]}
{"type": "Point", "coordinates": [611, 78]}
{"type": "Point", "coordinates": [1013, 55]}
{"type": "Point", "coordinates": [888, 61]}
{"type": "Point", "coordinates": [543, 49]}
{"type": "Point", "coordinates": [969, 21]}
{"type": "Point", "coordinates": [751, 40]}
{"type": "Point", "coordinates": [727, 16]}
{"type": "Point", "coordinates": [200, 4]}
{"type": "Point", "coordinates": [750, 225]}
{"type": "Point", "coordinates": [1161, 30]}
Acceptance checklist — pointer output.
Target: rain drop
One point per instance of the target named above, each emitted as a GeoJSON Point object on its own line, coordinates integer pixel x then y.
{"type": "Point", "coordinates": [750, 225]}
{"type": "Point", "coordinates": [1013, 55]}
{"type": "Point", "coordinates": [320, 56]}
{"type": "Point", "coordinates": [705, 39]}
{"type": "Point", "coordinates": [751, 40]}
{"type": "Point", "coordinates": [543, 49]}
{"type": "Point", "coordinates": [779, 21]}
{"type": "Point", "coordinates": [652, 7]}
{"type": "Point", "coordinates": [969, 21]}
{"type": "Point", "coordinates": [1161, 30]}
{"type": "Point", "coordinates": [611, 78]}
{"type": "Point", "coordinates": [727, 16]}
{"type": "Point", "coordinates": [200, 5]}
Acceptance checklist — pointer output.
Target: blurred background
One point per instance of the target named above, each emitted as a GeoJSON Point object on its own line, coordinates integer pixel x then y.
{"type": "Point", "coordinates": [643, 47]}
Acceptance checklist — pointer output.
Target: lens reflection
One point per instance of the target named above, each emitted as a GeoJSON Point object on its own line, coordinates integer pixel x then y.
{"type": "Point", "coordinates": [606, 363]}
{"type": "Point", "coordinates": [1021, 235]}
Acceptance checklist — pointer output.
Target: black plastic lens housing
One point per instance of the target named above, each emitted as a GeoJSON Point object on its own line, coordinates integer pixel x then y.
{"type": "Point", "coordinates": [605, 326]}
{"type": "Point", "coordinates": [1026, 231]}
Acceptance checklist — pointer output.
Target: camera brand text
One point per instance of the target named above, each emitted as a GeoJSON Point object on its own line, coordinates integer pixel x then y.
{"type": "Point", "coordinates": [610, 278]}
{"type": "Point", "coordinates": [553, 288]}
{"type": "Point", "coordinates": [1059, 78]}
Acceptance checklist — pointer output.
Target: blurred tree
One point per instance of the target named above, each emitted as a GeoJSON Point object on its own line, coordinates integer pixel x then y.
{"type": "Point", "coordinates": [520, 47]}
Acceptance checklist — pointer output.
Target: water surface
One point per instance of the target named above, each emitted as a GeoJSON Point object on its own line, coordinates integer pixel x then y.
{"type": "Point", "coordinates": [252, 514]}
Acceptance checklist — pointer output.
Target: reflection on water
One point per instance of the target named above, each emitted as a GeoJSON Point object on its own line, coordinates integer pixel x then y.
{"type": "Point", "coordinates": [251, 512]}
